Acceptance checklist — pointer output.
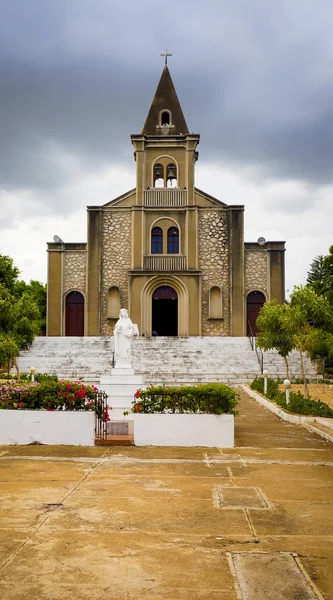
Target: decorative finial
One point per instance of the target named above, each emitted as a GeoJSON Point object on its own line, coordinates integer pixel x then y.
{"type": "Point", "coordinates": [166, 54]}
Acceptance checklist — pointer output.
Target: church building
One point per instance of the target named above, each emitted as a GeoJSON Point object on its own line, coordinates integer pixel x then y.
{"type": "Point", "coordinates": [171, 254]}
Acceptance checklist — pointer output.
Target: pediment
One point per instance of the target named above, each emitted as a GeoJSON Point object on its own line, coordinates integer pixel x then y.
{"type": "Point", "coordinates": [204, 199]}
{"type": "Point", "coordinates": [127, 199]}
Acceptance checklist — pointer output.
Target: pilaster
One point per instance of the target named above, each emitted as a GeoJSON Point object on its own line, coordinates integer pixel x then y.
{"type": "Point", "coordinates": [94, 270]}
{"type": "Point", "coordinates": [276, 266]}
{"type": "Point", "coordinates": [55, 289]}
{"type": "Point", "coordinates": [236, 265]}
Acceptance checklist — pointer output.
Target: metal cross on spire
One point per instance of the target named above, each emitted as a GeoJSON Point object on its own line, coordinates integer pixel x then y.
{"type": "Point", "coordinates": [166, 54]}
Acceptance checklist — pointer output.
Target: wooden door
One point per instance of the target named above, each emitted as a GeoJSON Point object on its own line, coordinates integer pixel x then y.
{"type": "Point", "coordinates": [75, 314]}
{"type": "Point", "coordinates": [255, 301]}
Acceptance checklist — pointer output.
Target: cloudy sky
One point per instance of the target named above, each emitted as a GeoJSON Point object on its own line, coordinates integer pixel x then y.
{"type": "Point", "coordinates": [255, 79]}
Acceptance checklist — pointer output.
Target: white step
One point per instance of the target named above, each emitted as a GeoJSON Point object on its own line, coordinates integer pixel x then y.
{"type": "Point", "coordinates": [160, 359]}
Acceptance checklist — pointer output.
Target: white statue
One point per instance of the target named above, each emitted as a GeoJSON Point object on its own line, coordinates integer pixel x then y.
{"type": "Point", "coordinates": [123, 333]}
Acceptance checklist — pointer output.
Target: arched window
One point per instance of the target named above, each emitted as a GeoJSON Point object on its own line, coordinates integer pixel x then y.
{"type": "Point", "coordinates": [158, 175]}
{"type": "Point", "coordinates": [165, 118]}
{"type": "Point", "coordinates": [171, 173]}
{"type": "Point", "coordinates": [157, 240]}
{"type": "Point", "coordinates": [215, 302]}
{"type": "Point", "coordinates": [113, 303]}
{"type": "Point", "coordinates": [173, 240]}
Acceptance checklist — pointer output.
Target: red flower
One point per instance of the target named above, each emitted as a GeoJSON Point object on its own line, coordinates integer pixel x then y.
{"type": "Point", "coordinates": [137, 407]}
{"type": "Point", "coordinates": [106, 416]}
{"type": "Point", "coordinates": [137, 393]}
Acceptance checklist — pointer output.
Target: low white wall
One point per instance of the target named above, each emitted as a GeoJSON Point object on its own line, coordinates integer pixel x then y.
{"type": "Point", "coordinates": [306, 421]}
{"type": "Point", "coordinates": [294, 419]}
{"type": "Point", "coordinates": [47, 427]}
{"type": "Point", "coordinates": [183, 430]}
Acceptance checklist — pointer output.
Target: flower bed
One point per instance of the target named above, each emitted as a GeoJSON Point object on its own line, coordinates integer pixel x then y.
{"type": "Point", "coordinates": [49, 395]}
{"type": "Point", "coordinates": [201, 415]}
{"type": "Point", "coordinates": [214, 398]}
{"type": "Point", "coordinates": [50, 412]}
{"type": "Point", "coordinates": [298, 404]}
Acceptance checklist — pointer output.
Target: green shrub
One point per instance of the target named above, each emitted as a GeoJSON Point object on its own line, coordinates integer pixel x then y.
{"type": "Point", "coordinates": [297, 403]}
{"type": "Point", "coordinates": [301, 405]}
{"type": "Point", "coordinates": [44, 377]}
{"type": "Point", "coordinates": [26, 377]}
{"type": "Point", "coordinates": [329, 370]}
{"type": "Point", "coordinates": [272, 386]}
{"type": "Point", "coordinates": [213, 398]}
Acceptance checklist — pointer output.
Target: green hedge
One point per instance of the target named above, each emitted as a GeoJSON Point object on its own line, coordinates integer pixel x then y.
{"type": "Point", "coordinates": [297, 403]}
{"type": "Point", "coordinates": [213, 398]}
{"type": "Point", "coordinates": [272, 386]}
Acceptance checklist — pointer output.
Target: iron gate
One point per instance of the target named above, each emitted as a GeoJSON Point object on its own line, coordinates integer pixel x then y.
{"type": "Point", "coordinates": [102, 416]}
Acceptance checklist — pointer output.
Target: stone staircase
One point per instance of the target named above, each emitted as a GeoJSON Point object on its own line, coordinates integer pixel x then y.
{"type": "Point", "coordinates": [162, 360]}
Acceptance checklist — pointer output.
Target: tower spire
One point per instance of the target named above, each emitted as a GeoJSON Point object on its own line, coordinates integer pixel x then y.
{"type": "Point", "coordinates": [165, 101]}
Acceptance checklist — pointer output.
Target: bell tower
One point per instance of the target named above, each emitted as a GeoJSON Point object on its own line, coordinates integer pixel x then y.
{"type": "Point", "coordinates": [165, 215]}
{"type": "Point", "coordinates": [165, 151]}
{"type": "Point", "coordinates": [165, 155]}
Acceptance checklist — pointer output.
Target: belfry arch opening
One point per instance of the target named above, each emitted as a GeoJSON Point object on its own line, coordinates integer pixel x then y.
{"type": "Point", "coordinates": [158, 175]}
{"type": "Point", "coordinates": [74, 319]}
{"type": "Point", "coordinates": [171, 176]}
{"type": "Point", "coordinates": [254, 302]}
{"type": "Point", "coordinates": [165, 118]}
{"type": "Point", "coordinates": [165, 311]}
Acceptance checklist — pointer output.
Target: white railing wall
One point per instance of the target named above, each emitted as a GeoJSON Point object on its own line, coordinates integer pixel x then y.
{"type": "Point", "coordinates": [165, 262]}
{"type": "Point", "coordinates": [164, 197]}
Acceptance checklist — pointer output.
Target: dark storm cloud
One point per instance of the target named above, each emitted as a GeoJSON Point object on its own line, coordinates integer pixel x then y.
{"type": "Point", "coordinates": [77, 77]}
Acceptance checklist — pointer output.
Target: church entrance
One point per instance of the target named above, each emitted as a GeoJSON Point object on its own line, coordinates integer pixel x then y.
{"type": "Point", "coordinates": [165, 311]}
{"type": "Point", "coordinates": [74, 314]}
{"type": "Point", "coordinates": [255, 301]}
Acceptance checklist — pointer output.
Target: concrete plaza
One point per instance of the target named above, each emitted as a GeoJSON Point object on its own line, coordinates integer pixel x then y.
{"type": "Point", "coordinates": [108, 523]}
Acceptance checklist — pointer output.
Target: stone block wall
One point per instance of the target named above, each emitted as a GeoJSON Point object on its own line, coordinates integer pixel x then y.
{"type": "Point", "coordinates": [214, 264]}
{"type": "Point", "coordinates": [75, 266]}
{"type": "Point", "coordinates": [256, 271]}
{"type": "Point", "coordinates": [116, 260]}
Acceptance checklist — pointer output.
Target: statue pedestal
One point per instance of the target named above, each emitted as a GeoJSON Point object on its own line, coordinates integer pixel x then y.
{"type": "Point", "coordinates": [120, 387]}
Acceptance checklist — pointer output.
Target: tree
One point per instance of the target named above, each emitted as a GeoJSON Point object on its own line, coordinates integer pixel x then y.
{"type": "Point", "coordinates": [8, 350]}
{"type": "Point", "coordinates": [305, 324]}
{"type": "Point", "coordinates": [309, 311]}
{"type": "Point", "coordinates": [320, 275]}
{"type": "Point", "coordinates": [317, 270]}
{"type": "Point", "coordinates": [19, 323]}
{"type": "Point", "coordinates": [37, 291]}
{"type": "Point", "coordinates": [320, 346]}
{"type": "Point", "coordinates": [276, 330]}
{"type": "Point", "coordinates": [22, 311]}
{"type": "Point", "coordinates": [8, 272]}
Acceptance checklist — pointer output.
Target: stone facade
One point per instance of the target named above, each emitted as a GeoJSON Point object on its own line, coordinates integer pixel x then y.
{"type": "Point", "coordinates": [116, 260]}
{"type": "Point", "coordinates": [152, 237]}
{"type": "Point", "coordinates": [214, 264]}
{"type": "Point", "coordinates": [75, 271]}
{"type": "Point", "coordinates": [256, 272]}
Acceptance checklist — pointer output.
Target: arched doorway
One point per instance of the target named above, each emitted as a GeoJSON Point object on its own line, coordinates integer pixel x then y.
{"type": "Point", "coordinates": [254, 302]}
{"type": "Point", "coordinates": [74, 314]}
{"type": "Point", "coordinates": [165, 311]}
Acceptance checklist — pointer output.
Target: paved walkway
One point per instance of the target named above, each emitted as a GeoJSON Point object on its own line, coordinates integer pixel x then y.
{"type": "Point", "coordinates": [171, 523]}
